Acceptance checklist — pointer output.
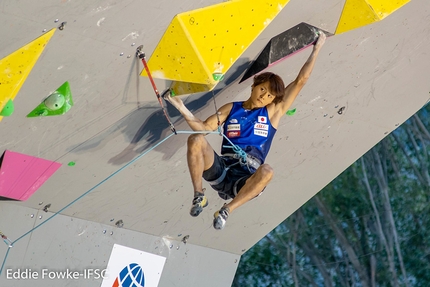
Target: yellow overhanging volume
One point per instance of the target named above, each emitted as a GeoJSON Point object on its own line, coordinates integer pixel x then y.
{"type": "Point", "coordinates": [358, 13]}
{"type": "Point", "coordinates": [207, 41]}
{"type": "Point", "coordinates": [15, 67]}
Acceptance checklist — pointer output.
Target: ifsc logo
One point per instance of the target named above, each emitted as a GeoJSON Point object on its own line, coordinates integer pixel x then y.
{"type": "Point", "coordinates": [128, 267]}
{"type": "Point", "coordinates": [130, 276]}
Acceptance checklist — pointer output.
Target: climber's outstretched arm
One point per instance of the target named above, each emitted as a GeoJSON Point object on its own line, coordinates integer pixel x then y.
{"type": "Point", "coordinates": [293, 89]}
{"type": "Point", "coordinates": [196, 124]}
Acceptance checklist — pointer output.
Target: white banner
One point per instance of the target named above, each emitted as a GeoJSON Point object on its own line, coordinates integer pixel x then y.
{"type": "Point", "coordinates": [128, 267]}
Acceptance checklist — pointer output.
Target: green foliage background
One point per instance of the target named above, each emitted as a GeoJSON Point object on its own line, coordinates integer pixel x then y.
{"type": "Point", "coordinates": [369, 227]}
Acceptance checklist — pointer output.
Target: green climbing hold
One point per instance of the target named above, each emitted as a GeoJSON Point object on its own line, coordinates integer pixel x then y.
{"type": "Point", "coordinates": [72, 163]}
{"type": "Point", "coordinates": [172, 93]}
{"type": "Point", "coordinates": [7, 109]}
{"type": "Point", "coordinates": [57, 103]}
{"type": "Point", "coordinates": [291, 112]}
{"type": "Point", "coordinates": [218, 76]}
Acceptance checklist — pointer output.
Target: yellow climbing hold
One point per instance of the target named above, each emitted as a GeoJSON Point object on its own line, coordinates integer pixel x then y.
{"type": "Point", "coordinates": [207, 41]}
{"type": "Point", "coordinates": [15, 67]}
{"type": "Point", "coordinates": [359, 13]}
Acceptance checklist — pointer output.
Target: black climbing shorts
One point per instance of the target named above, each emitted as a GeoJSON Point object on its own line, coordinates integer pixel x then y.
{"type": "Point", "coordinates": [235, 176]}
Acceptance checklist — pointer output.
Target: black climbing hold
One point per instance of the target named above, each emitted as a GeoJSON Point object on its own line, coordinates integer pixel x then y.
{"type": "Point", "coordinates": [283, 45]}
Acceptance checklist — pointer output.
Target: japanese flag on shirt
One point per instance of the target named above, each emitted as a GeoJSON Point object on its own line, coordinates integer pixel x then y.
{"type": "Point", "coordinates": [262, 119]}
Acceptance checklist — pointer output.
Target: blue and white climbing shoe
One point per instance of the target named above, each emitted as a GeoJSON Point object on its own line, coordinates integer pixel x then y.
{"type": "Point", "coordinates": [220, 217]}
{"type": "Point", "coordinates": [199, 202]}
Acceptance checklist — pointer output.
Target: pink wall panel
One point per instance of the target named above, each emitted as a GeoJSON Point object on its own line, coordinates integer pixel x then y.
{"type": "Point", "coordinates": [21, 175]}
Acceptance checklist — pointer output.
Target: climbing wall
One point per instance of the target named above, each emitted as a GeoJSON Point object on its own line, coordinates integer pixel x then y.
{"type": "Point", "coordinates": [118, 177]}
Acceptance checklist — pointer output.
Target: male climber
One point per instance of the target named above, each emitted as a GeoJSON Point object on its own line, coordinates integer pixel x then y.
{"type": "Point", "coordinates": [249, 125]}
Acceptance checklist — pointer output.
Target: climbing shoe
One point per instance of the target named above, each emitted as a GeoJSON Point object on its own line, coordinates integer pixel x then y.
{"type": "Point", "coordinates": [199, 202]}
{"type": "Point", "coordinates": [220, 217]}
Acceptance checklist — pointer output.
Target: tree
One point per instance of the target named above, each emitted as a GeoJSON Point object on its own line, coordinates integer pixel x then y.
{"type": "Point", "coordinates": [369, 227]}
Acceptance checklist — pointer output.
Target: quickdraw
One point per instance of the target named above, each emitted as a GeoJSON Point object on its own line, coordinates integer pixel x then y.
{"type": "Point", "coordinates": [141, 55]}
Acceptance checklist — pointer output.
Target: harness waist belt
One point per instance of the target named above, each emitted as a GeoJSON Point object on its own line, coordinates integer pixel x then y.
{"type": "Point", "coordinates": [250, 160]}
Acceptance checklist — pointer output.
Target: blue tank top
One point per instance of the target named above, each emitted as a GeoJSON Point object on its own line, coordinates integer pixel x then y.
{"type": "Point", "coordinates": [251, 130]}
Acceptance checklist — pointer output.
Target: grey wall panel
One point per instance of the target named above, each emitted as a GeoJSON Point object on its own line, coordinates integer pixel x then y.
{"type": "Point", "coordinates": [65, 243]}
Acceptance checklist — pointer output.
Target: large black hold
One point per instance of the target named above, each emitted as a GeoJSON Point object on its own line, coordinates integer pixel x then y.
{"type": "Point", "coordinates": [283, 45]}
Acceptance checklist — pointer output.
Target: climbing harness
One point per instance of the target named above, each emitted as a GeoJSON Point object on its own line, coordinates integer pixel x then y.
{"type": "Point", "coordinates": [250, 160]}
{"type": "Point", "coordinates": [141, 55]}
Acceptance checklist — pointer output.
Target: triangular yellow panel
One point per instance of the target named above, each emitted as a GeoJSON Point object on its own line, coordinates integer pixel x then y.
{"type": "Point", "coordinates": [222, 32]}
{"type": "Point", "coordinates": [359, 13]}
{"type": "Point", "coordinates": [216, 36]}
{"type": "Point", "coordinates": [355, 14]}
{"type": "Point", "coordinates": [175, 57]}
{"type": "Point", "coordinates": [384, 8]}
{"type": "Point", "coordinates": [15, 68]}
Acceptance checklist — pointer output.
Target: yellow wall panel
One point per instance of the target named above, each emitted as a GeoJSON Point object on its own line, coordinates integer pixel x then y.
{"type": "Point", "coordinates": [359, 13]}
{"type": "Point", "coordinates": [355, 14]}
{"type": "Point", "coordinates": [224, 31]}
{"type": "Point", "coordinates": [15, 67]}
{"type": "Point", "coordinates": [207, 41]}
{"type": "Point", "coordinates": [383, 8]}
{"type": "Point", "coordinates": [175, 57]}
